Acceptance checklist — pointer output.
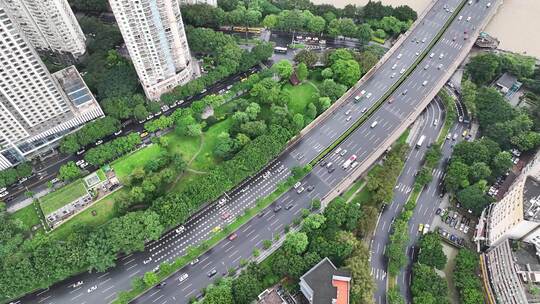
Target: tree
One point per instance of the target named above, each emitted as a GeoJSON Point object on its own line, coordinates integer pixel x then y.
{"type": "Point", "coordinates": [301, 71]}
{"type": "Point", "coordinates": [298, 121]}
{"type": "Point", "coordinates": [424, 177]}
{"type": "Point", "coordinates": [431, 252]}
{"type": "Point", "coordinates": [457, 176]}
{"type": "Point", "coordinates": [473, 197]}
{"type": "Point", "coordinates": [283, 68]}
{"type": "Point", "coordinates": [245, 288]}
{"type": "Point", "coordinates": [405, 13]}
{"type": "Point", "coordinates": [364, 33]}
{"type": "Point", "coordinates": [70, 171]}
{"type": "Point", "coordinates": [331, 89]}
{"type": "Point", "coordinates": [316, 24]}
{"type": "Point", "coordinates": [394, 296]}
{"type": "Point", "coordinates": [367, 60]}
{"type": "Point", "coordinates": [479, 171]}
{"type": "Point", "coordinates": [311, 112]}
{"type": "Point", "coordinates": [427, 284]}
{"type": "Point", "coordinates": [308, 57]}
{"type": "Point", "coordinates": [313, 222]}
{"type": "Point", "coordinates": [220, 293]}
{"type": "Point", "coordinates": [296, 242]}
{"type": "Point", "coordinates": [346, 72]}
{"type": "Point", "coordinates": [140, 112]}
{"type": "Point", "coordinates": [501, 163]}
{"type": "Point", "coordinates": [483, 68]}
{"type": "Point", "coordinates": [465, 277]}
{"type": "Point", "coordinates": [327, 73]}
{"type": "Point", "coordinates": [468, 95]}
{"type": "Point", "coordinates": [150, 278]}
{"type": "Point", "coordinates": [224, 146]}
{"type": "Point", "coordinates": [362, 286]}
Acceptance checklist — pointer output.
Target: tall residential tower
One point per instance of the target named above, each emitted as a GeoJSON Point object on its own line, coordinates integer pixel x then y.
{"type": "Point", "coordinates": [36, 108]}
{"type": "Point", "coordinates": [155, 38]}
{"type": "Point", "coordinates": [209, 2]}
{"type": "Point", "coordinates": [47, 24]}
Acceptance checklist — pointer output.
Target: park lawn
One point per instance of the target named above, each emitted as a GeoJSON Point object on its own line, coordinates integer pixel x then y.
{"type": "Point", "coordinates": [183, 145]}
{"type": "Point", "coordinates": [104, 212]}
{"type": "Point", "coordinates": [205, 160]}
{"type": "Point", "coordinates": [350, 192]}
{"type": "Point", "coordinates": [62, 196]}
{"type": "Point", "coordinates": [301, 96]}
{"type": "Point", "coordinates": [28, 216]}
{"type": "Point", "coordinates": [101, 175]}
{"type": "Point", "coordinates": [125, 165]}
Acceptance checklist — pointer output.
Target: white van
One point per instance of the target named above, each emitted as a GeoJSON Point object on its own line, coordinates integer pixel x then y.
{"type": "Point", "coordinates": [374, 124]}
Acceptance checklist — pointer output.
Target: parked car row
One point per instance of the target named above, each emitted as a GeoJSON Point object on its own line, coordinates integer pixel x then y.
{"type": "Point", "coordinates": [454, 220]}
{"type": "Point", "coordinates": [451, 237]}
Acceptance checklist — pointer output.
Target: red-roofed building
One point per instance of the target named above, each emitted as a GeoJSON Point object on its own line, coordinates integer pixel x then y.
{"type": "Point", "coordinates": [325, 284]}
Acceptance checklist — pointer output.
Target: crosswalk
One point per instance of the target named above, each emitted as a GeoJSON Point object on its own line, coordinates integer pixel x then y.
{"type": "Point", "coordinates": [378, 274]}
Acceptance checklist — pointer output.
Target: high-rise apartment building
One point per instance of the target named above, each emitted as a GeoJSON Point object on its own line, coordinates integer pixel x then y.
{"type": "Point", "coordinates": [209, 2]}
{"type": "Point", "coordinates": [48, 25]}
{"type": "Point", "coordinates": [517, 214]}
{"type": "Point", "coordinates": [155, 38]}
{"type": "Point", "coordinates": [36, 108]}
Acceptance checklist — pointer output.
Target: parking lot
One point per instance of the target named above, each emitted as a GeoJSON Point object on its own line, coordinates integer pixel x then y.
{"type": "Point", "coordinates": [454, 225]}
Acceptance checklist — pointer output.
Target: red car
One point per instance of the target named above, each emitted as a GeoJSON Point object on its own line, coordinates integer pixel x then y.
{"type": "Point", "coordinates": [232, 237]}
{"type": "Point", "coordinates": [225, 215]}
{"type": "Point", "coordinates": [391, 100]}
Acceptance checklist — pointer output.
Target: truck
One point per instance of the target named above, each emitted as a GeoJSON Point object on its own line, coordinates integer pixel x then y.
{"type": "Point", "coordinates": [420, 141]}
{"type": "Point", "coordinates": [349, 161]}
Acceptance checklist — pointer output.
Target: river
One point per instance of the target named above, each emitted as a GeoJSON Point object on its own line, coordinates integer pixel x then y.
{"type": "Point", "coordinates": [511, 25]}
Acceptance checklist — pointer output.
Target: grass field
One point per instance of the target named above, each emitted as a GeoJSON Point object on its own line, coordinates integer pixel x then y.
{"type": "Point", "coordinates": [350, 192]}
{"type": "Point", "coordinates": [104, 212]}
{"type": "Point", "coordinates": [125, 165]}
{"type": "Point", "coordinates": [28, 216]}
{"type": "Point", "coordinates": [62, 196]}
{"type": "Point", "coordinates": [301, 96]}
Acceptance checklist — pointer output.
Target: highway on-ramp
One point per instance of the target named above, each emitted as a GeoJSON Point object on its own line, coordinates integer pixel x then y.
{"type": "Point", "coordinates": [363, 142]}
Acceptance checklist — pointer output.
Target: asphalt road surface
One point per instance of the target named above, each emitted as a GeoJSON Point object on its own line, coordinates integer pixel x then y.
{"type": "Point", "coordinates": [363, 142]}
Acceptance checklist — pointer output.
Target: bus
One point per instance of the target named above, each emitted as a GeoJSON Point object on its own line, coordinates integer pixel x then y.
{"type": "Point", "coordinates": [280, 50]}
{"type": "Point", "coordinates": [420, 141]}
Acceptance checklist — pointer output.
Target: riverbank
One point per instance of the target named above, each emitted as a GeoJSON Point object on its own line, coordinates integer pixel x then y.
{"type": "Point", "coordinates": [510, 25]}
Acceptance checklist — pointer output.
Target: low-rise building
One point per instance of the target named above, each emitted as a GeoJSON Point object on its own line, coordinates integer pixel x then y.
{"type": "Point", "coordinates": [325, 284]}
{"type": "Point", "coordinates": [508, 85]}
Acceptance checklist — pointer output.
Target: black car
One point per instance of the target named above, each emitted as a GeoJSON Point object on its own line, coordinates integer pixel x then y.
{"type": "Point", "coordinates": [261, 214]}
{"type": "Point", "coordinates": [277, 208]}
{"type": "Point", "coordinates": [160, 285]}
{"type": "Point", "coordinates": [310, 188]}
{"type": "Point", "coordinates": [438, 211]}
{"type": "Point", "coordinates": [212, 273]}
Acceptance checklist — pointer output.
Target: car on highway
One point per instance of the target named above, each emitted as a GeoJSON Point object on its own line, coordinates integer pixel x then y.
{"type": "Point", "coordinates": [222, 201]}
{"type": "Point", "coordinates": [81, 151]}
{"type": "Point", "coordinates": [225, 215]}
{"type": "Point", "coordinates": [300, 190]}
{"type": "Point", "coordinates": [402, 71]}
{"type": "Point", "coordinates": [368, 95]}
{"type": "Point", "coordinates": [374, 124]}
{"type": "Point", "coordinates": [160, 285]}
{"type": "Point", "coordinates": [117, 132]}
{"type": "Point", "coordinates": [455, 136]}
{"type": "Point", "coordinates": [460, 18]}
{"type": "Point", "coordinates": [426, 67]}
{"type": "Point", "coordinates": [420, 227]}
{"type": "Point", "coordinates": [469, 19]}
{"type": "Point", "coordinates": [92, 289]}
{"type": "Point", "coordinates": [348, 112]}
{"type": "Point", "coordinates": [277, 208]}
{"type": "Point", "coordinates": [424, 83]}
{"type": "Point", "coordinates": [212, 273]}
{"type": "Point", "coordinates": [99, 142]}
{"type": "Point", "coordinates": [424, 40]}
{"type": "Point", "coordinates": [194, 262]}
{"type": "Point", "coordinates": [391, 99]}
{"type": "Point", "coordinates": [393, 75]}
{"type": "Point", "coordinates": [435, 122]}
{"type": "Point", "coordinates": [331, 169]}
{"type": "Point", "coordinates": [183, 277]}
{"type": "Point", "coordinates": [180, 229]}
{"type": "Point", "coordinates": [364, 110]}
{"type": "Point", "coordinates": [216, 229]}
{"type": "Point", "coordinates": [232, 237]}
{"type": "Point", "coordinates": [146, 261]}
{"type": "Point", "coordinates": [144, 134]}
{"type": "Point", "coordinates": [439, 66]}
{"type": "Point", "coordinates": [448, 136]}
{"type": "Point", "coordinates": [441, 56]}
{"type": "Point", "coordinates": [289, 206]}
{"type": "Point", "coordinates": [354, 165]}
{"type": "Point", "coordinates": [399, 56]}
{"type": "Point", "coordinates": [394, 66]}
{"type": "Point", "coordinates": [431, 55]}
{"type": "Point", "coordinates": [310, 188]}
{"type": "Point", "coordinates": [349, 118]}
{"type": "Point", "coordinates": [404, 92]}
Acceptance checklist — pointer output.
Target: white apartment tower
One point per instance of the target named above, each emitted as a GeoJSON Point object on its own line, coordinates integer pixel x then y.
{"type": "Point", "coordinates": [209, 2]}
{"type": "Point", "coordinates": [155, 38]}
{"type": "Point", "coordinates": [36, 108]}
{"type": "Point", "coordinates": [517, 214]}
{"type": "Point", "coordinates": [48, 25]}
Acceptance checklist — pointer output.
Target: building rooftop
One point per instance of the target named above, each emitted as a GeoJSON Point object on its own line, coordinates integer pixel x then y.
{"type": "Point", "coordinates": [506, 80]}
{"type": "Point", "coordinates": [531, 199]}
{"type": "Point", "coordinates": [73, 86]}
{"type": "Point", "coordinates": [325, 281]}
{"type": "Point", "coordinates": [527, 265]}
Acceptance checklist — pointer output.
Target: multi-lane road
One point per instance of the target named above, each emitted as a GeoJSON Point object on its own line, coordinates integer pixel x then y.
{"type": "Point", "coordinates": [364, 142]}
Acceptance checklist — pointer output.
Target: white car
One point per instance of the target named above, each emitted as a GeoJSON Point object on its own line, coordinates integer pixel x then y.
{"type": "Point", "coordinates": [402, 71]}
{"type": "Point", "coordinates": [338, 150]}
{"type": "Point", "coordinates": [468, 18]}
{"type": "Point", "coordinates": [79, 162]}
{"type": "Point", "coordinates": [368, 95]}
{"type": "Point", "coordinates": [435, 122]}
{"type": "Point", "coordinates": [431, 55]}
{"type": "Point", "coordinates": [183, 277]}
{"type": "Point", "coordinates": [117, 132]}
{"type": "Point", "coordinates": [147, 260]}
{"type": "Point", "coordinates": [99, 142]}
{"type": "Point", "coordinates": [298, 184]}
{"type": "Point", "coordinates": [349, 118]}
{"type": "Point", "coordinates": [343, 152]}
{"type": "Point", "coordinates": [393, 75]}
{"type": "Point", "coordinates": [92, 288]}
{"type": "Point", "coordinates": [354, 165]}
{"type": "Point", "coordinates": [399, 56]}
{"type": "Point", "coordinates": [348, 112]}
{"type": "Point", "coordinates": [3, 189]}
{"type": "Point", "coordinates": [4, 194]}
{"type": "Point", "coordinates": [180, 229]}
{"type": "Point", "coordinates": [394, 66]}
